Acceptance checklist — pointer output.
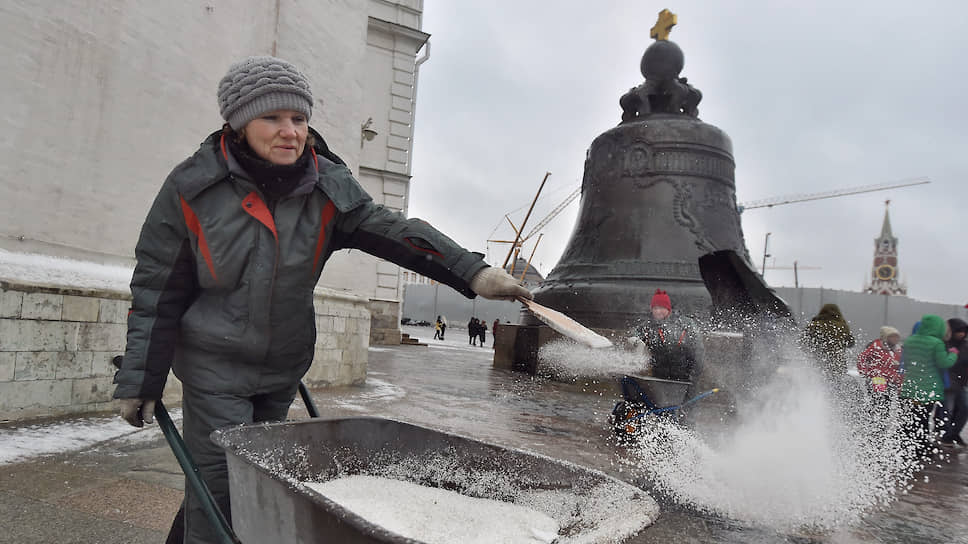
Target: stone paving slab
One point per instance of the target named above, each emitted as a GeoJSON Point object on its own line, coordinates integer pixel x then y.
{"type": "Point", "coordinates": [28, 521]}
{"type": "Point", "coordinates": [132, 502]}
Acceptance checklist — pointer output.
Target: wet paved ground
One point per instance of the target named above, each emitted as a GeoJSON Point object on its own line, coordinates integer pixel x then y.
{"type": "Point", "coordinates": [127, 490]}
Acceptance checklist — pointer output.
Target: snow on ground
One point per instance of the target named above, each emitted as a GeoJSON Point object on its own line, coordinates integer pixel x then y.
{"type": "Point", "coordinates": [454, 339]}
{"type": "Point", "coordinates": [23, 443]}
{"type": "Point", "coordinates": [45, 270]}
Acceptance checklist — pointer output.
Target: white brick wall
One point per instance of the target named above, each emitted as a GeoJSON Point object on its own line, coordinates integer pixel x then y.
{"type": "Point", "coordinates": [343, 322]}
{"type": "Point", "coordinates": [56, 349]}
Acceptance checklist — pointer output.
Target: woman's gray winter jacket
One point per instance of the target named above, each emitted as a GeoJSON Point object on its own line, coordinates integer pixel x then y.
{"type": "Point", "coordinates": [223, 286]}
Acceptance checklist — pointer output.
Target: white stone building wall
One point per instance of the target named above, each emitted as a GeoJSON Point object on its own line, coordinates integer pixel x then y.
{"type": "Point", "coordinates": [104, 98]}
{"type": "Point", "coordinates": [393, 39]}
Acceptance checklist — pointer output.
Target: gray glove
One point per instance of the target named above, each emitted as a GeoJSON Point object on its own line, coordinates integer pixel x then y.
{"type": "Point", "coordinates": [496, 284]}
{"type": "Point", "coordinates": [636, 345]}
{"type": "Point", "coordinates": [633, 342]}
{"type": "Point", "coordinates": [138, 411]}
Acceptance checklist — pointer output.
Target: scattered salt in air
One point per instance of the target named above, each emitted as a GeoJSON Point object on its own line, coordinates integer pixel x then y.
{"type": "Point", "coordinates": [435, 515]}
{"type": "Point", "coordinates": [564, 359]}
{"type": "Point", "coordinates": [801, 454]}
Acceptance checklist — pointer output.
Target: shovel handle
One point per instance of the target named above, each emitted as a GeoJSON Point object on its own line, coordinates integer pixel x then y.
{"type": "Point", "coordinates": [215, 516]}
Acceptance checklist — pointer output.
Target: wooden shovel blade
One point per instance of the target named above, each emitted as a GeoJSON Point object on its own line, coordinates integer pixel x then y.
{"type": "Point", "coordinates": [566, 325]}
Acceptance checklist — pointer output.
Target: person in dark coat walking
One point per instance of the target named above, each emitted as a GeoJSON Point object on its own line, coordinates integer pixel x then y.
{"type": "Point", "coordinates": [955, 394]}
{"type": "Point", "coordinates": [229, 255]}
{"type": "Point", "coordinates": [472, 331]}
{"type": "Point", "coordinates": [482, 330]}
{"type": "Point", "coordinates": [827, 338]}
{"type": "Point", "coordinates": [494, 327]}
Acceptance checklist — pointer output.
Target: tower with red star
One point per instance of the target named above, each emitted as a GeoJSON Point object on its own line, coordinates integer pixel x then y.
{"type": "Point", "coordinates": [884, 277]}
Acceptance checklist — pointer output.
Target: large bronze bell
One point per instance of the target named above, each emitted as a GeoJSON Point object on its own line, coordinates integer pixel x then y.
{"type": "Point", "coordinates": [658, 193]}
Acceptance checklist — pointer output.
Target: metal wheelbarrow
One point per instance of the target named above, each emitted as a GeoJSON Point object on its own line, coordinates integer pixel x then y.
{"type": "Point", "coordinates": [271, 464]}
{"type": "Point", "coordinates": [645, 396]}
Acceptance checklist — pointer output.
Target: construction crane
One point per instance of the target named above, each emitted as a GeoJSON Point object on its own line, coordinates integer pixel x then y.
{"type": "Point", "coordinates": [516, 244]}
{"type": "Point", "coordinates": [519, 240]}
{"type": "Point", "coordinates": [791, 199]}
{"type": "Point", "coordinates": [553, 213]}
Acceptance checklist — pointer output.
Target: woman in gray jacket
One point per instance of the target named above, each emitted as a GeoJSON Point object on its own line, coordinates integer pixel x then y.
{"type": "Point", "coordinates": [228, 258]}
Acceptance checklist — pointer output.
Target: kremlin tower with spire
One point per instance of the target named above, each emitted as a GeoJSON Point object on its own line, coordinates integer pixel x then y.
{"type": "Point", "coordinates": [884, 271]}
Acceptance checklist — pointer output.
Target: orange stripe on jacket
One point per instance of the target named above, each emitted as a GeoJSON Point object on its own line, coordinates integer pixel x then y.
{"type": "Point", "coordinates": [254, 206]}
{"type": "Point", "coordinates": [329, 211]}
{"type": "Point", "coordinates": [191, 221]}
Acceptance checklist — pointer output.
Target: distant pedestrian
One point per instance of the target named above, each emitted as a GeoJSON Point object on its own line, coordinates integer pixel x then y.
{"type": "Point", "coordinates": [494, 333]}
{"type": "Point", "coordinates": [482, 330]}
{"type": "Point", "coordinates": [955, 394]}
{"type": "Point", "coordinates": [437, 329]}
{"type": "Point", "coordinates": [827, 338]}
{"type": "Point", "coordinates": [880, 362]}
{"type": "Point", "coordinates": [472, 331]}
{"type": "Point", "coordinates": [443, 326]}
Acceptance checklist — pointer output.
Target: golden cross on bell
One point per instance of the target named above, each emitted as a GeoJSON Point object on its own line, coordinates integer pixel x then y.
{"type": "Point", "coordinates": [663, 27]}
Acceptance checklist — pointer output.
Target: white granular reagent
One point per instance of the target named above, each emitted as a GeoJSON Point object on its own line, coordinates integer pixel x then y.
{"type": "Point", "coordinates": [435, 515]}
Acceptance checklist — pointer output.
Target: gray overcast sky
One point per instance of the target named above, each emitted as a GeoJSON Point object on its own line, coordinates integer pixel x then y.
{"type": "Point", "coordinates": [816, 96]}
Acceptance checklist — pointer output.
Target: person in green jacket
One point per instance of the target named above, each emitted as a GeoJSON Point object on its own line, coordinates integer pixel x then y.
{"type": "Point", "coordinates": [229, 256]}
{"type": "Point", "coordinates": [925, 358]}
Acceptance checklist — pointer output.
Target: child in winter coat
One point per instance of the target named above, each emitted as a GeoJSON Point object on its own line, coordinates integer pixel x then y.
{"type": "Point", "coordinates": [880, 362]}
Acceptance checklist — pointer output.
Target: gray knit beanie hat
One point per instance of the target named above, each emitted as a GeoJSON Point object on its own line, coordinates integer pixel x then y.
{"type": "Point", "coordinates": [257, 85]}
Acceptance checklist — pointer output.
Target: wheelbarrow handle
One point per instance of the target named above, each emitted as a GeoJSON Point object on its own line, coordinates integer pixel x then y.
{"type": "Point", "coordinates": [699, 397]}
{"type": "Point", "coordinates": [215, 516]}
{"type": "Point", "coordinates": [308, 400]}
{"type": "Point", "coordinates": [678, 406]}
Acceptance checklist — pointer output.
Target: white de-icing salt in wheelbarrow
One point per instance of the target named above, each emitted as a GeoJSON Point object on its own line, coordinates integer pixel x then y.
{"type": "Point", "coordinates": [273, 467]}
